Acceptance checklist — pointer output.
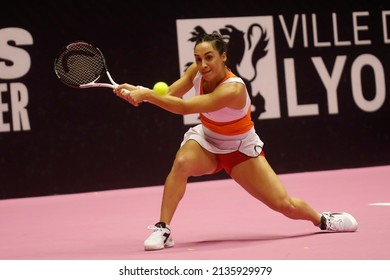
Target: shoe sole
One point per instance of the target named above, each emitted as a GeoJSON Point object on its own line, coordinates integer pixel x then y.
{"type": "Point", "coordinates": [153, 248]}
{"type": "Point", "coordinates": [156, 249]}
{"type": "Point", "coordinates": [168, 244]}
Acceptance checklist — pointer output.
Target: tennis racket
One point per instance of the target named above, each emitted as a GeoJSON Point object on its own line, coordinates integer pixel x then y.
{"type": "Point", "coordinates": [81, 65]}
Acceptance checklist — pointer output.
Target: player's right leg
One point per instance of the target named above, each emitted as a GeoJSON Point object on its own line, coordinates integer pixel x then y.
{"type": "Point", "coordinates": [190, 160]}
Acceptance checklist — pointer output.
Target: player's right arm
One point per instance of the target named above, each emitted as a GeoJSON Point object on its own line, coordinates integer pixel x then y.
{"type": "Point", "coordinates": [172, 101]}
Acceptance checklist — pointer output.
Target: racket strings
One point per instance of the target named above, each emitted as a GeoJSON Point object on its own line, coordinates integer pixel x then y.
{"type": "Point", "coordinates": [79, 64]}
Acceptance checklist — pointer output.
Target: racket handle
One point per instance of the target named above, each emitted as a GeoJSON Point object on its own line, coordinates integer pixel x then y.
{"type": "Point", "coordinates": [129, 92]}
{"type": "Point", "coordinates": [97, 85]}
{"type": "Point", "coordinates": [126, 91]}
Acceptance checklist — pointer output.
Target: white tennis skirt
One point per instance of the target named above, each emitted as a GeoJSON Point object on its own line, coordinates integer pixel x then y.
{"type": "Point", "coordinates": [248, 143]}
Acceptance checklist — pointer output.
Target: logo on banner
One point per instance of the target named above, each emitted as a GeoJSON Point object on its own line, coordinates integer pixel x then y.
{"type": "Point", "coordinates": [251, 55]}
{"type": "Point", "coordinates": [317, 75]}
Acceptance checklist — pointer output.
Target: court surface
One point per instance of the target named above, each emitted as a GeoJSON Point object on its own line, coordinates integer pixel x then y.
{"type": "Point", "coordinates": [215, 220]}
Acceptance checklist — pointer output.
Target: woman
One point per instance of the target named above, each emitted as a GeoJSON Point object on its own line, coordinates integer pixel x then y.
{"type": "Point", "coordinates": [225, 139]}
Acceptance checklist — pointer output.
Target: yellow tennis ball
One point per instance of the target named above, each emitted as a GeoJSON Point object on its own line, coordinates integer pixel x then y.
{"type": "Point", "coordinates": [161, 88]}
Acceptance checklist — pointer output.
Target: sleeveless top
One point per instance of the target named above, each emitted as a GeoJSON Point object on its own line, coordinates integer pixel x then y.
{"type": "Point", "coordinates": [226, 121]}
{"type": "Point", "coordinates": [226, 130]}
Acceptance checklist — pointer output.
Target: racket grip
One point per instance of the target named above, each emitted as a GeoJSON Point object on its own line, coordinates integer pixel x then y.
{"type": "Point", "coordinates": [126, 91]}
{"type": "Point", "coordinates": [129, 92]}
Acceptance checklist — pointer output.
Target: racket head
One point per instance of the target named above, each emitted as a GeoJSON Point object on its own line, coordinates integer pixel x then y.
{"type": "Point", "coordinates": [79, 63]}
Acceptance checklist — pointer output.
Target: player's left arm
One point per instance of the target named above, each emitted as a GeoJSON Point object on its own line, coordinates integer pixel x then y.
{"type": "Point", "coordinates": [225, 95]}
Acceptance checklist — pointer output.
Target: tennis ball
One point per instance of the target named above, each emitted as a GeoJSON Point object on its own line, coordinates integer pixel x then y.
{"type": "Point", "coordinates": [161, 88]}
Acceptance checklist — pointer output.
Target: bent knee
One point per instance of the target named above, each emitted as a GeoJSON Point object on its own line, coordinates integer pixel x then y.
{"type": "Point", "coordinates": [193, 164]}
{"type": "Point", "coordinates": [182, 164]}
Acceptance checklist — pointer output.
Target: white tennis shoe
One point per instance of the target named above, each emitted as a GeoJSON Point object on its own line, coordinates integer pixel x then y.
{"type": "Point", "coordinates": [338, 222]}
{"type": "Point", "coordinates": [160, 238]}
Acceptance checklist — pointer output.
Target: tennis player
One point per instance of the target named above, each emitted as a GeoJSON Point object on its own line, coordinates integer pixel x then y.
{"type": "Point", "coordinates": [225, 139]}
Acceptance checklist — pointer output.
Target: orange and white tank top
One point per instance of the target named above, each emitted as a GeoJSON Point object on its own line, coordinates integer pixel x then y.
{"type": "Point", "coordinates": [226, 121]}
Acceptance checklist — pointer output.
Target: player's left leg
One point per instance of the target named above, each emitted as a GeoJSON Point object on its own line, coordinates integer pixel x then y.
{"type": "Point", "coordinates": [257, 177]}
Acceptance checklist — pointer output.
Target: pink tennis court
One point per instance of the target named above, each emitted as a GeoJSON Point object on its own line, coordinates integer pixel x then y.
{"type": "Point", "coordinates": [216, 220]}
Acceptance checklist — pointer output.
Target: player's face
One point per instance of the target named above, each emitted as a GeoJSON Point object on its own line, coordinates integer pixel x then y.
{"type": "Point", "coordinates": [209, 62]}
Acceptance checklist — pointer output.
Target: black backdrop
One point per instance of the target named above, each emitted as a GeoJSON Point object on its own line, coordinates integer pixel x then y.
{"type": "Point", "coordinates": [90, 140]}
